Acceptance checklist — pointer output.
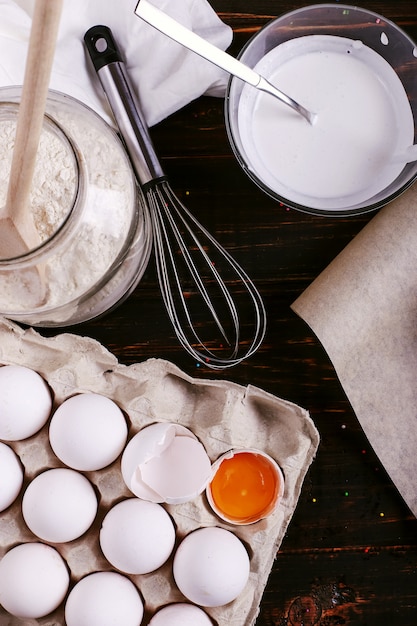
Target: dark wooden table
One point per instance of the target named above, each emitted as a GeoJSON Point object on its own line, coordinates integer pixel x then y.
{"type": "Point", "coordinates": [350, 554]}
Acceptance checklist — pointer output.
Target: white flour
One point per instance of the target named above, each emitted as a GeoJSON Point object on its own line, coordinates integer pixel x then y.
{"type": "Point", "coordinates": [54, 181]}
{"type": "Point", "coordinates": [81, 260]}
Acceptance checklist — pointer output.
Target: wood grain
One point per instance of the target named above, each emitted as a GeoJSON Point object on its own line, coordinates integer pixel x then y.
{"type": "Point", "coordinates": [350, 554]}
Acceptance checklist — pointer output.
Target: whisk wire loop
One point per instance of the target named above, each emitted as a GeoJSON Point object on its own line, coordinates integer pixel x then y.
{"type": "Point", "coordinates": [168, 272]}
{"type": "Point", "coordinates": [178, 245]}
{"type": "Point", "coordinates": [182, 214]}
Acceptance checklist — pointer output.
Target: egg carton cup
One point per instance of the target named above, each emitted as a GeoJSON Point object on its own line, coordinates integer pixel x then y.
{"type": "Point", "coordinates": [221, 414]}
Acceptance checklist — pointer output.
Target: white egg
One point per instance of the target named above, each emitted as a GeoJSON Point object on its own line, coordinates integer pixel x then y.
{"type": "Point", "coordinates": [88, 432]}
{"type": "Point", "coordinates": [25, 402]}
{"type": "Point", "coordinates": [181, 614]}
{"type": "Point", "coordinates": [104, 599]}
{"type": "Point", "coordinates": [34, 580]}
{"type": "Point", "coordinates": [11, 473]}
{"type": "Point", "coordinates": [211, 566]}
{"type": "Point", "coordinates": [165, 463]}
{"type": "Point", "coordinates": [59, 505]}
{"type": "Point", "coordinates": [137, 536]}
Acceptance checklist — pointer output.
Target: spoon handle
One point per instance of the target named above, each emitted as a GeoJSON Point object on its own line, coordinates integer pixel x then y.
{"type": "Point", "coordinates": [33, 101]}
{"type": "Point", "coordinates": [179, 33]}
{"type": "Point", "coordinates": [186, 37]}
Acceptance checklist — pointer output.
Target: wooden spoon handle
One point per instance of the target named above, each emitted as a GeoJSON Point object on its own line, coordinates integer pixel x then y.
{"type": "Point", "coordinates": [38, 68]}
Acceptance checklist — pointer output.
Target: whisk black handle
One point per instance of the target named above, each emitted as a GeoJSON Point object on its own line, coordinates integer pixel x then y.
{"type": "Point", "coordinates": [125, 106]}
{"type": "Point", "coordinates": [102, 47]}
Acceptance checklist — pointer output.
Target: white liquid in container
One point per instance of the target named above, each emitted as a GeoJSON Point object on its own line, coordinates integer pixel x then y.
{"type": "Point", "coordinates": [363, 117]}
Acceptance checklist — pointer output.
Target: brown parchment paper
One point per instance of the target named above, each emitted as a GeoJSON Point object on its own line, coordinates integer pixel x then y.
{"type": "Point", "coordinates": [221, 414]}
{"type": "Point", "coordinates": [363, 309]}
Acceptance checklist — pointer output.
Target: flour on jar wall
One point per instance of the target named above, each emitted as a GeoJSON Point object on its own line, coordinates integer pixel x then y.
{"type": "Point", "coordinates": [107, 196]}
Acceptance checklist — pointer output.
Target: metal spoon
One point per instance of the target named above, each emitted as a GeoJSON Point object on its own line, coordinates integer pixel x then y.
{"type": "Point", "coordinates": [179, 33]}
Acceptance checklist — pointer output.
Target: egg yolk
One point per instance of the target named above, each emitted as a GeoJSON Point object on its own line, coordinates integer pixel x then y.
{"type": "Point", "coordinates": [244, 487]}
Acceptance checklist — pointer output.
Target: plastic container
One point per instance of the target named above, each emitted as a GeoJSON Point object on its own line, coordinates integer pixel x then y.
{"type": "Point", "coordinates": [348, 184]}
{"type": "Point", "coordinates": [92, 218]}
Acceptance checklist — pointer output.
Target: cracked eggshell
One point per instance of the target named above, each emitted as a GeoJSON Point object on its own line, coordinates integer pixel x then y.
{"type": "Point", "coordinates": [165, 462]}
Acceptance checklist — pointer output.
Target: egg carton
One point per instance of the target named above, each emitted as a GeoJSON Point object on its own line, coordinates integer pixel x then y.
{"type": "Point", "coordinates": [221, 414]}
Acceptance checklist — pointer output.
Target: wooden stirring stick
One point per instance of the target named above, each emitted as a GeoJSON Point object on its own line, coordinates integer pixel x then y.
{"type": "Point", "coordinates": [18, 234]}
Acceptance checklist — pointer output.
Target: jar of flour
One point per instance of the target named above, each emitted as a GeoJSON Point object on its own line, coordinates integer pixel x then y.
{"type": "Point", "coordinates": [91, 216]}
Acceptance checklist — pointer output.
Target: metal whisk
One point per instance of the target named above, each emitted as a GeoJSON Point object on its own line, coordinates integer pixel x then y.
{"type": "Point", "coordinates": [188, 257]}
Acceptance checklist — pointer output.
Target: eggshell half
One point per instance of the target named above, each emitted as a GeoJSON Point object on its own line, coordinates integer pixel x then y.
{"type": "Point", "coordinates": [165, 462]}
{"type": "Point", "coordinates": [248, 484]}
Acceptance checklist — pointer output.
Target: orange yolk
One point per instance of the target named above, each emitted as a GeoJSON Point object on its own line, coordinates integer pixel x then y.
{"type": "Point", "coordinates": [244, 487]}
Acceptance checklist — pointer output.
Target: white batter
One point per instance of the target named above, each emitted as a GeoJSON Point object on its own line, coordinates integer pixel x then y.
{"type": "Point", "coordinates": [363, 118]}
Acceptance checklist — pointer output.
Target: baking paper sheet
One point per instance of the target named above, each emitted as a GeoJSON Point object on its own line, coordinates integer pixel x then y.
{"type": "Point", "coordinates": [221, 414]}
{"type": "Point", "coordinates": [363, 309]}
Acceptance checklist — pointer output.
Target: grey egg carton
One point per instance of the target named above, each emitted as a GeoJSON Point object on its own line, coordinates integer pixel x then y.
{"type": "Point", "coordinates": [221, 414]}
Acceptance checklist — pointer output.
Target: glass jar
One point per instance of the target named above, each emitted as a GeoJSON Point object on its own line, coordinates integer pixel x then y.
{"type": "Point", "coordinates": [92, 218]}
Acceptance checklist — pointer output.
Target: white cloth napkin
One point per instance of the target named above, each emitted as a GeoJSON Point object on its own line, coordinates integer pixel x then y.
{"type": "Point", "coordinates": [165, 74]}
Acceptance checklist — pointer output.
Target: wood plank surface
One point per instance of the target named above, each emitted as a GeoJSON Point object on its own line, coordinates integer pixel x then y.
{"type": "Point", "coordinates": [350, 554]}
